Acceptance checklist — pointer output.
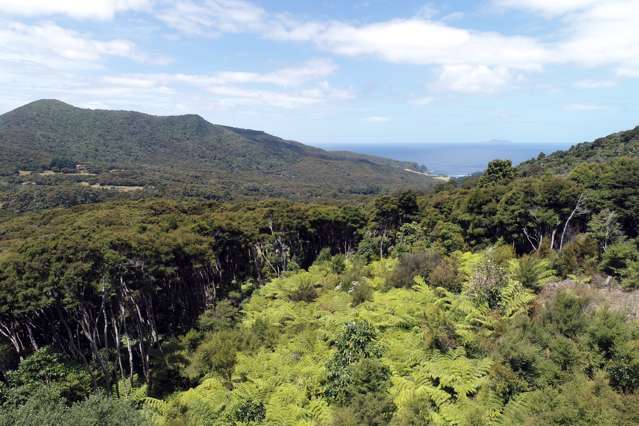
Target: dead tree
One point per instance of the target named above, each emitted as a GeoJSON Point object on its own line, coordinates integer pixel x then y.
{"type": "Point", "coordinates": [579, 209]}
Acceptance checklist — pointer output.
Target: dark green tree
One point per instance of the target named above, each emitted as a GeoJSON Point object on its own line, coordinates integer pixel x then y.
{"type": "Point", "coordinates": [498, 171]}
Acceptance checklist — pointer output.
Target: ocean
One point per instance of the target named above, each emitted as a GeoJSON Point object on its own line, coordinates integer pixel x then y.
{"type": "Point", "coordinates": [457, 160]}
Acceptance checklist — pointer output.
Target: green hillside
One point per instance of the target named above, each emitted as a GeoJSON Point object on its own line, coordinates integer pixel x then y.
{"type": "Point", "coordinates": [180, 156]}
{"type": "Point", "coordinates": [601, 150]}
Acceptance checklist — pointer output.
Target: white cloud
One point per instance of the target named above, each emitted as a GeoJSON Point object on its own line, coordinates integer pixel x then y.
{"type": "Point", "coordinates": [156, 93]}
{"type": "Point", "coordinates": [549, 7]}
{"type": "Point", "coordinates": [23, 82]}
{"type": "Point", "coordinates": [57, 47]}
{"type": "Point", "coordinates": [631, 71]}
{"type": "Point", "coordinates": [93, 9]}
{"type": "Point", "coordinates": [473, 79]}
{"type": "Point", "coordinates": [594, 84]}
{"type": "Point", "coordinates": [412, 41]}
{"type": "Point", "coordinates": [471, 61]}
{"type": "Point", "coordinates": [213, 17]}
{"type": "Point", "coordinates": [430, 43]}
{"type": "Point", "coordinates": [606, 34]}
{"type": "Point", "coordinates": [129, 82]}
{"type": "Point", "coordinates": [585, 107]}
{"type": "Point", "coordinates": [236, 96]}
{"type": "Point", "coordinates": [595, 33]}
{"type": "Point", "coordinates": [377, 119]}
{"type": "Point", "coordinates": [300, 86]}
{"type": "Point", "coordinates": [293, 76]}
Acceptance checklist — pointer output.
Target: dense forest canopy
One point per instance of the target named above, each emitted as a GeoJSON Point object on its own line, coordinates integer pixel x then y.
{"type": "Point", "coordinates": [601, 150]}
{"type": "Point", "coordinates": [509, 298]}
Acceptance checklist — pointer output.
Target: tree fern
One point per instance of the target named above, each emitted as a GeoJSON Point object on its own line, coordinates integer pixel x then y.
{"type": "Point", "coordinates": [517, 410]}
{"type": "Point", "coordinates": [532, 272]}
{"type": "Point", "coordinates": [514, 298]}
{"type": "Point", "coordinates": [454, 371]}
{"type": "Point", "coordinates": [156, 406]}
{"type": "Point", "coordinates": [126, 389]}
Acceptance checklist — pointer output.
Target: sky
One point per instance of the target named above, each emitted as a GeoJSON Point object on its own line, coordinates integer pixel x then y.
{"type": "Point", "coordinates": [335, 72]}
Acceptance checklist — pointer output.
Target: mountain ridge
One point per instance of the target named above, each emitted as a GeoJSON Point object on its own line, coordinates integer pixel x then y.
{"type": "Point", "coordinates": [184, 154]}
{"type": "Point", "coordinates": [601, 150]}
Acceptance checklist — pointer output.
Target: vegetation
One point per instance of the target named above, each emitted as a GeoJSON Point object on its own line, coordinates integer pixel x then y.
{"type": "Point", "coordinates": [494, 300]}
{"type": "Point", "coordinates": [601, 150]}
{"type": "Point", "coordinates": [70, 151]}
{"type": "Point", "coordinates": [419, 355]}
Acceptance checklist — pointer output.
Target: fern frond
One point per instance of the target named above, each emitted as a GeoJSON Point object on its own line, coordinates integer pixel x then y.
{"type": "Point", "coordinates": [157, 406]}
{"type": "Point", "coordinates": [515, 298]}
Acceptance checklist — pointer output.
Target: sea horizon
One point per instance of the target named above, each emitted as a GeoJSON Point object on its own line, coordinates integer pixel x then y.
{"type": "Point", "coordinates": [453, 159]}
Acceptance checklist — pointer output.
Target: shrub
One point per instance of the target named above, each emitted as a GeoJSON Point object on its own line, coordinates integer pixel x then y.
{"type": "Point", "coordinates": [446, 275]}
{"type": "Point", "coordinates": [223, 315]}
{"type": "Point", "coordinates": [354, 274]}
{"type": "Point", "coordinates": [47, 408]}
{"type": "Point", "coordinates": [630, 276]}
{"type": "Point", "coordinates": [62, 164]}
{"type": "Point", "coordinates": [624, 369]}
{"type": "Point", "coordinates": [618, 257]}
{"type": "Point", "coordinates": [250, 411]}
{"type": "Point", "coordinates": [360, 293]}
{"type": "Point", "coordinates": [45, 367]}
{"type": "Point", "coordinates": [439, 332]}
{"type": "Point", "coordinates": [358, 379]}
{"type": "Point", "coordinates": [305, 292]}
{"type": "Point", "coordinates": [413, 264]}
{"type": "Point", "coordinates": [100, 409]}
{"type": "Point", "coordinates": [488, 279]}
{"type": "Point", "coordinates": [449, 236]}
{"type": "Point", "coordinates": [216, 354]}
{"type": "Point", "coordinates": [531, 271]}
{"type": "Point", "coordinates": [338, 263]}
{"type": "Point", "coordinates": [324, 255]}
{"type": "Point", "coordinates": [577, 257]}
{"type": "Point", "coordinates": [356, 342]}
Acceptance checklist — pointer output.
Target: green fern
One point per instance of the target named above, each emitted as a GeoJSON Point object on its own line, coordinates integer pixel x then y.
{"type": "Point", "coordinates": [517, 410]}
{"type": "Point", "coordinates": [515, 298]}
{"type": "Point", "coordinates": [127, 390]}
{"type": "Point", "coordinates": [156, 406]}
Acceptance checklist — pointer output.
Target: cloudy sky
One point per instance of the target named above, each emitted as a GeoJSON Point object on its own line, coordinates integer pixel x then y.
{"type": "Point", "coordinates": [337, 71]}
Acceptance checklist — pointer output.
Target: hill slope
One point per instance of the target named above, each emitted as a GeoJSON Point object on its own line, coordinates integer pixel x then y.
{"type": "Point", "coordinates": [182, 155]}
{"type": "Point", "coordinates": [599, 151]}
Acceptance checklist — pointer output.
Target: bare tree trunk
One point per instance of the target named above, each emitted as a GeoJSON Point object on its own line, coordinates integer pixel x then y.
{"type": "Point", "coordinates": [32, 340]}
{"type": "Point", "coordinates": [530, 239]}
{"type": "Point", "coordinates": [572, 214]}
{"type": "Point", "coordinates": [128, 339]}
{"type": "Point", "coordinates": [13, 337]}
{"type": "Point", "coordinates": [140, 323]}
{"type": "Point", "coordinates": [116, 337]}
{"type": "Point", "coordinates": [71, 339]}
{"type": "Point", "coordinates": [90, 330]}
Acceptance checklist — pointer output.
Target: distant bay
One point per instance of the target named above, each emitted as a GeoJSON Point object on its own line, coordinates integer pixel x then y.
{"type": "Point", "coordinates": [459, 159]}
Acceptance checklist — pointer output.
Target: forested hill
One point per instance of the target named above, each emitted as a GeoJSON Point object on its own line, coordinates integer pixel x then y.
{"type": "Point", "coordinates": [601, 150]}
{"type": "Point", "coordinates": [180, 155]}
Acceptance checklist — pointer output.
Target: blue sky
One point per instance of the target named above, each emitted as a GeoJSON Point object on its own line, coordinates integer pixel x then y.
{"type": "Point", "coordinates": [337, 72]}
